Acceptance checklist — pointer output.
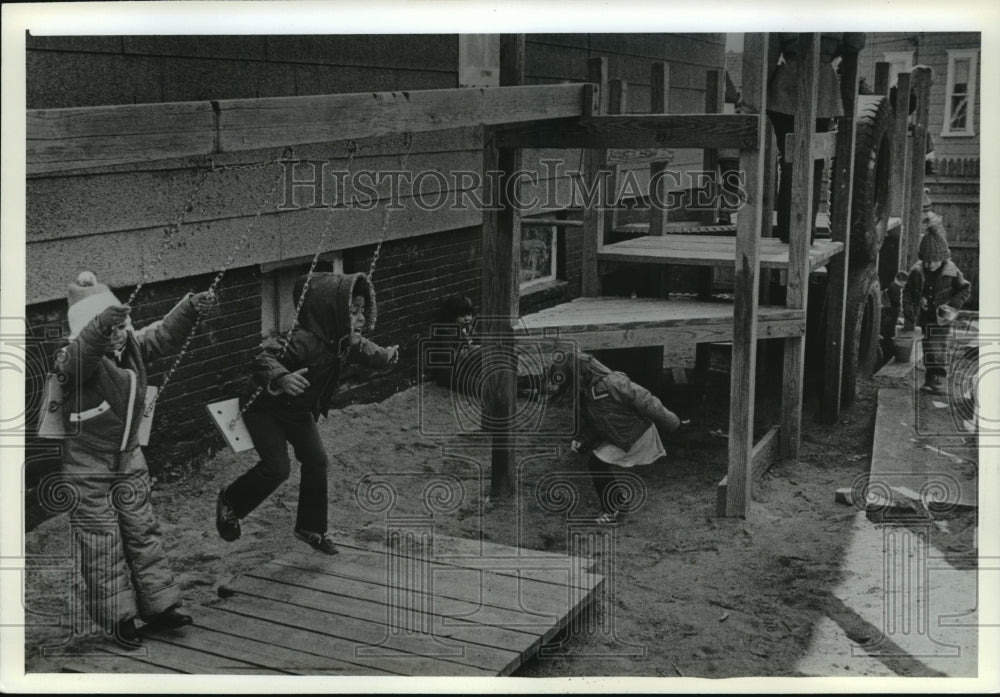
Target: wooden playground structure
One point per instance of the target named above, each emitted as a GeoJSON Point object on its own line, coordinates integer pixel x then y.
{"type": "Point", "coordinates": [590, 116]}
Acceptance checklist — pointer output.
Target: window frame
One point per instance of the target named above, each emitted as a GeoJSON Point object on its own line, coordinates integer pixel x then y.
{"type": "Point", "coordinates": [553, 277]}
{"type": "Point", "coordinates": [956, 54]}
{"type": "Point", "coordinates": [277, 278]}
{"type": "Point", "coordinates": [891, 57]}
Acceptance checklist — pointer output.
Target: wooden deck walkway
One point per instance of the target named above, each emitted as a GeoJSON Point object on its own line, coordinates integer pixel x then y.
{"type": "Point", "coordinates": [709, 250]}
{"type": "Point", "coordinates": [467, 607]}
{"type": "Point", "coordinates": [614, 322]}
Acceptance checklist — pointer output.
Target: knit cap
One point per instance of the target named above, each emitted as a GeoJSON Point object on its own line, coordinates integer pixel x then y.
{"type": "Point", "coordinates": [933, 247]}
{"type": "Point", "coordinates": [87, 298]}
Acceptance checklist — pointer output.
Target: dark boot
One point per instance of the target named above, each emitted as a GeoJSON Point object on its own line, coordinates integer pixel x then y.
{"type": "Point", "coordinates": [169, 619]}
{"type": "Point", "coordinates": [127, 635]}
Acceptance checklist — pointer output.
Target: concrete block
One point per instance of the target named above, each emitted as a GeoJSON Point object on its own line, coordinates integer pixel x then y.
{"type": "Point", "coordinates": [57, 80]}
{"type": "Point", "coordinates": [241, 47]}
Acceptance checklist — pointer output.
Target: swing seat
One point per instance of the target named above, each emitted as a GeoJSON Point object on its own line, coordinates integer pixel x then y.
{"type": "Point", "coordinates": [229, 421]}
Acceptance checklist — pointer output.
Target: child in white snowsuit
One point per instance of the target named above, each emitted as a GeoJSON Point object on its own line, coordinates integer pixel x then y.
{"type": "Point", "coordinates": [103, 373]}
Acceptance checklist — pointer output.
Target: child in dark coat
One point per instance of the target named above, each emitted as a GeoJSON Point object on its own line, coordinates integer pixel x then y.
{"type": "Point", "coordinates": [454, 327]}
{"type": "Point", "coordinates": [935, 291]}
{"type": "Point", "coordinates": [103, 372]}
{"type": "Point", "coordinates": [299, 381]}
{"type": "Point", "coordinates": [622, 422]}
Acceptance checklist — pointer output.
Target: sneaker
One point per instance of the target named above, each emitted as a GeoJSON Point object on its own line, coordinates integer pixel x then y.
{"type": "Point", "coordinates": [169, 619]}
{"type": "Point", "coordinates": [127, 635]}
{"type": "Point", "coordinates": [608, 518]}
{"type": "Point", "coordinates": [319, 542]}
{"type": "Point", "coordinates": [226, 521]}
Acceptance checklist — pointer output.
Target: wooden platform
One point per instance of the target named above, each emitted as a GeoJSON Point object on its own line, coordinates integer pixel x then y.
{"type": "Point", "coordinates": [709, 250]}
{"type": "Point", "coordinates": [612, 322]}
{"type": "Point", "coordinates": [463, 608]}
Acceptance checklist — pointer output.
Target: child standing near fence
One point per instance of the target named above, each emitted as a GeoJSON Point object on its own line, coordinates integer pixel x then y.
{"type": "Point", "coordinates": [935, 291]}
{"type": "Point", "coordinates": [299, 380]}
{"type": "Point", "coordinates": [103, 373]}
{"type": "Point", "coordinates": [622, 422]}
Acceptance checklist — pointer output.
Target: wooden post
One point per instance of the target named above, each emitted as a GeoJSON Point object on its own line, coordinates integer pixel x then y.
{"type": "Point", "coordinates": [501, 291]}
{"type": "Point", "coordinates": [594, 162]}
{"type": "Point", "coordinates": [921, 86]}
{"type": "Point", "coordinates": [659, 100]}
{"type": "Point", "coordinates": [881, 85]}
{"type": "Point", "coordinates": [617, 104]}
{"type": "Point", "coordinates": [900, 162]}
{"type": "Point", "coordinates": [798, 239]}
{"type": "Point", "coordinates": [745, 286]}
{"type": "Point", "coordinates": [840, 218]}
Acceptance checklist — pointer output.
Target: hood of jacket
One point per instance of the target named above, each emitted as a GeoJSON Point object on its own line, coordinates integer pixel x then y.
{"type": "Point", "coordinates": [326, 309]}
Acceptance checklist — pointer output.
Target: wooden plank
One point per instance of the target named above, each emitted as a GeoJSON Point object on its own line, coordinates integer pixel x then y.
{"type": "Point", "coordinates": [709, 250]}
{"type": "Point", "coordinates": [410, 649]}
{"type": "Point", "coordinates": [881, 85]}
{"type": "Point", "coordinates": [453, 582]}
{"type": "Point", "coordinates": [824, 145]}
{"type": "Point", "coordinates": [451, 610]}
{"type": "Point", "coordinates": [501, 240]}
{"type": "Point", "coordinates": [745, 285]}
{"type": "Point", "coordinates": [260, 643]}
{"type": "Point", "coordinates": [187, 660]}
{"type": "Point", "coordinates": [634, 131]}
{"type": "Point", "coordinates": [247, 124]}
{"type": "Point", "coordinates": [899, 171]}
{"type": "Point", "coordinates": [417, 615]}
{"type": "Point", "coordinates": [659, 103]}
{"type": "Point", "coordinates": [836, 292]}
{"type": "Point", "coordinates": [765, 453]}
{"type": "Point", "coordinates": [114, 663]}
{"type": "Point", "coordinates": [69, 139]}
{"type": "Point", "coordinates": [915, 181]}
{"type": "Point", "coordinates": [617, 100]}
{"type": "Point", "coordinates": [801, 226]}
{"type": "Point", "coordinates": [593, 166]}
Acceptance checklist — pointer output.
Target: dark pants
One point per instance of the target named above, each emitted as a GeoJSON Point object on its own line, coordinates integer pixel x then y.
{"type": "Point", "coordinates": [271, 432]}
{"type": "Point", "coordinates": [784, 124]}
{"type": "Point", "coordinates": [935, 346]}
{"type": "Point", "coordinates": [605, 483]}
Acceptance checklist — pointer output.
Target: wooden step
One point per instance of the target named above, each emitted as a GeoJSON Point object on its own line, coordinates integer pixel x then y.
{"type": "Point", "coordinates": [709, 250]}
{"type": "Point", "coordinates": [612, 322]}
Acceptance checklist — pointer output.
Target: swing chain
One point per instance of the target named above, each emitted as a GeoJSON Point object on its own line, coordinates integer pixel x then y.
{"type": "Point", "coordinates": [215, 282]}
{"type": "Point", "coordinates": [387, 211]}
{"type": "Point", "coordinates": [286, 335]}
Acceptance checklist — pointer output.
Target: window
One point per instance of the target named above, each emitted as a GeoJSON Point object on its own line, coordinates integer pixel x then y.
{"type": "Point", "coordinates": [899, 62]}
{"type": "Point", "coordinates": [539, 254]}
{"type": "Point", "coordinates": [960, 93]}
{"type": "Point", "coordinates": [277, 280]}
{"type": "Point", "coordinates": [478, 60]}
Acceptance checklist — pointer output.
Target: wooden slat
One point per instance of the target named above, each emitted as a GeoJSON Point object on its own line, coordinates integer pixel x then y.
{"type": "Point", "coordinates": [746, 287]}
{"type": "Point", "coordinates": [70, 139]}
{"type": "Point", "coordinates": [824, 145]}
{"type": "Point", "coordinates": [921, 86]}
{"type": "Point", "coordinates": [800, 231]}
{"type": "Point", "coordinates": [247, 124]}
{"type": "Point", "coordinates": [634, 131]}
{"type": "Point", "coordinates": [765, 452]}
{"type": "Point", "coordinates": [709, 250]}
{"type": "Point", "coordinates": [187, 660]}
{"type": "Point", "coordinates": [410, 651]}
{"type": "Point", "coordinates": [842, 189]}
{"type": "Point", "coordinates": [114, 664]}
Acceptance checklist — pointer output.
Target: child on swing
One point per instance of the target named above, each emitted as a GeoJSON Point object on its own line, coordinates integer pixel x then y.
{"type": "Point", "coordinates": [103, 373]}
{"type": "Point", "coordinates": [622, 422]}
{"type": "Point", "coordinates": [299, 380]}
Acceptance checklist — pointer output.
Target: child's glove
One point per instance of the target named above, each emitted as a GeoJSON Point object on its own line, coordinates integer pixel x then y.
{"type": "Point", "coordinates": [293, 384]}
{"type": "Point", "coordinates": [393, 354]}
{"type": "Point", "coordinates": [113, 316]}
{"type": "Point", "coordinates": [576, 446]}
{"type": "Point", "coordinates": [204, 301]}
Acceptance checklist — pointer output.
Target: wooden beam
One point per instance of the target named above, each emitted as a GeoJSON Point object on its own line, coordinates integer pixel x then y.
{"type": "Point", "coordinates": [900, 162]}
{"type": "Point", "coordinates": [249, 124]}
{"type": "Point", "coordinates": [745, 286]}
{"type": "Point", "coordinates": [921, 86]}
{"type": "Point", "coordinates": [69, 139]}
{"type": "Point", "coordinates": [824, 145]}
{"type": "Point", "coordinates": [765, 453]}
{"type": "Point", "coordinates": [797, 288]}
{"type": "Point", "coordinates": [634, 131]}
{"type": "Point", "coordinates": [594, 164]}
{"type": "Point", "coordinates": [881, 85]}
{"type": "Point", "coordinates": [659, 102]}
{"type": "Point", "coordinates": [617, 104]}
{"type": "Point", "coordinates": [840, 217]}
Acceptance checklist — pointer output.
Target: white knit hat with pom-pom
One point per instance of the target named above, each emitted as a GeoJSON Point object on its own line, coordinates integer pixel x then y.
{"type": "Point", "coordinates": [87, 298]}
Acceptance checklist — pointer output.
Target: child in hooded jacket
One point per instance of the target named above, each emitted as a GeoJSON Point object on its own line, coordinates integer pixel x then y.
{"type": "Point", "coordinates": [934, 293]}
{"type": "Point", "coordinates": [622, 422]}
{"type": "Point", "coordinates": [103, 373]}
{"type": "Point", "coordinates": [299, 375]}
